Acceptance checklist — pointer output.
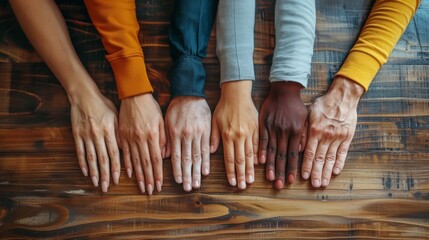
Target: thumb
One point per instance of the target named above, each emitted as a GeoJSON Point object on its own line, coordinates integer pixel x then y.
{"type": "Point", "coordinates": [214, 137]}
{"type": "Point", "coordinates": [304, 135]}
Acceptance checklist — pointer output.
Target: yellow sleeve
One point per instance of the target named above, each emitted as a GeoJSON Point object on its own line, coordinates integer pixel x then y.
{"type": "Point", "coordinates": [116, 21]}
{"type": "Point", "coordinates": [385, 25]}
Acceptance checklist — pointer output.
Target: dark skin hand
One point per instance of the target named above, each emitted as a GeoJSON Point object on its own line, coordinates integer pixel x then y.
{"type": "Point", "coordinates": [281, 126]}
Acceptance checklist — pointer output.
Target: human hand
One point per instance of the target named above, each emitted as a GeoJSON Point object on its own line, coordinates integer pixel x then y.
{"type": "Point", "coordinates": [143, 140]}
{"type": "Point", "coordinates": [236, 120]}
{"type": "Point", "coordinates": [188, 126]}
{"type": "Point", "coordinates": [281, 125]}
{"type": "Point", "coordinates": [331, 126]}
{"type": "Point", "coordinates": [95, 127]}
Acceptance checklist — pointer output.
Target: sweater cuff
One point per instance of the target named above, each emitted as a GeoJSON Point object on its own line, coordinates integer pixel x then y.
{"type": "Point", "coordinates": [360, 67]}
{"type": "Point", "coordinates": [187, 77]}
{"type": "Point", "coordinates": [131, 76]}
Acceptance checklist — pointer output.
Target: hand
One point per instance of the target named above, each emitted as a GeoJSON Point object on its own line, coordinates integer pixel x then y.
{"type": "Point", "coordinates": [281, 126]}
{"type": "Point", "coordinates": [331, 126]}
{"type": "Point", "coordinates": [236, 120]}
{"type": "Point", "coordinates": [95, 124]}
{"type": "Point", "coordinates": [143, 140]}
{"type": "Point", "coordinates": [187, 123]}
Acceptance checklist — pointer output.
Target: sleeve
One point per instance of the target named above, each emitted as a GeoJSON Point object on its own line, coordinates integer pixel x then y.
{"type": "Point", "coordinates": [385, 25]}
{"type": "Point", "coordinates": [295, 26]}
{"type": "Point", "coordinates": [189, 35]}
{"type": "Point", "coordinates": [116, 21]}
{"type": "Point", "coordinates": [235, 39]}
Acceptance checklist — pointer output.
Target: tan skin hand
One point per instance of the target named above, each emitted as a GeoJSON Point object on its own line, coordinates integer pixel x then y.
{"type": "Point", "coordinates": [235, 119]}
{"type": "Point", "coordinates": [188, 130]}
{"type": "Point", "coordinates": [143, 140]}
{"type": "Point", "coordinates": [281, 125]}
{"type": "Point", "coordinates": [93, 117]}
{"type": "Point", "coordinates": [332, 123]}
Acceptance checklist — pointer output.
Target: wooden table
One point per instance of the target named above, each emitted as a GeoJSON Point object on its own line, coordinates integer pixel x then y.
{"type": "Point", "coordinates": [382, 193]}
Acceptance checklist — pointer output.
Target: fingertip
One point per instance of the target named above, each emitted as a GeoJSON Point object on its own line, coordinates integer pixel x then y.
{"type": "Point", "coordinates": [291, 178]}
{"type": "Point", "coordinates": [232, 182]}
{"type": "Point", "coordinates": [84, 172]}
{"type": "Point", "coordinates": [158, 186]}
{"type": "Point", "coordinates": [316, 183]}
{"type": "Point", "coordinates": [270, 175]}
{"type": "Point", "coordinates": [279, 184]}
{"type": "Point", "coordinates": [104, 186]}
{"type": "Point", "coordinates": [94, 181]}
{"type": "Point", "coordinates": [116, 177]}
{"type": "Point", "coordinates": [262, 159]}
{"type": "Point", "coordinates": [129, 172]}
{"type": "Point", "coordinates": [305, 175]}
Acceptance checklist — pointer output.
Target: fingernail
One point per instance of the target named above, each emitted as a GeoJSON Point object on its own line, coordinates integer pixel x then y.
{"type": "Point", "coordinates": [149, 189]}
{"type": "Point", "coordinates": [325, 182]}
{"type": "Point", "coordinates": [104, 186]}
{"type": "Point", "coordinates": [95, 181]}
{"type": "Point", "coordinates": [232, 182]}
{"type": "Point", "coordinates": [142, 188]}
{"type": "Point", "coordinates": [85, 172]}
{"type": "Point", "coordinates": [187, 187]}
{"type": "Point", "coordinates": [196, 184]}
{"type": "Point", "coordinates": [299, 148]}
{"type": "Point", "coordinates": [279, 184]}
{"type": "Point", "coordinates": [242, 185]}
{"type": "Point", "coordinates": [163, 153]}
{"type": "Point", "coordinates": [211, 148]}
{"type": "Point", "coordinates": [305, 175]}
{"type": "Point", "coordinates": [291, 178]}
{"type": "Point", "coordinates": [337, 171]}
{"type": "Point", "coordinates": [179, 179]}
{"type": "Point", "coordinates": [116, 178]}
{"type": "Point", "coordinates": [158, 186]}
{"type": "Point", "coordinates": [206, 171]}
{"type": "Point", "coordinates": [316, 183]}
{"type": "Point", "coordinates": [250, 179]}
{"type": "Point", "coordinates": [271, 175]}
{"type": "Point", "coordinates": [129, 172]}
{"type": "Point", "coordinates": [262, 160]}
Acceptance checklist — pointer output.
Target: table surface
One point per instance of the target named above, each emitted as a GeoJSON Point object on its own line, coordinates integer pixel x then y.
{"type": "Point", "coordinates": [382, 193]}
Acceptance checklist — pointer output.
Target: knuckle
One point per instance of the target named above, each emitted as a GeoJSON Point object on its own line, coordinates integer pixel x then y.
{"type": "Point", "coordinates": [175, 156]}
{"type": "Point", "coordinates": [196, 157]}
{"type": "Point", "coordinates": [249, 154]}
{"type": "Point", "coordinates": [187, 132]}
{"type": "Point", "coordinates": [145, 161]}
{"type": "Point", "coordinates": [113, 152]}
{"type": "Point", "coordinates": [330, 158]}
{"type": "Point", "coordinates": [156, 160]}
{"type": "Point", "coordinates": [138, 134]}
{"type": "Point", "coordinates": [103, 159]}
{"type": "Point", "coordinates": [205, 149]}
{"type": "Point", "coordinates": [186, 158]}
{"type": "Point", "coordinates": [230, 160]}
{"type": "Point", "coordinates": [281, 157]}
{"type": "Point", "coordinates": [240, 160]}
{"type": "Point", "coordinates": [319, 157]}
{"type": "Point", "coordinates": [309, 154]}
{"type": "Point", "coordinates": [91, 157]}
{"type": "Point", "coordinates": [342, 152]}
{"type": "Point", "coordinates": [152, 135]}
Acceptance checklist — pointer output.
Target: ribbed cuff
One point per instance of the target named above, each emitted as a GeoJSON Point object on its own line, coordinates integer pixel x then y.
{"type": "Point", "coordinates": [187, 77]}
{"type": "Point", "coordinates": [131, 76]}
{"type": "Point", "coordinates": [360, 67]}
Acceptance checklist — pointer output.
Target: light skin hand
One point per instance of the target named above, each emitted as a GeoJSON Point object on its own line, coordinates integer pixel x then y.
{"type": "Point", "coordinates": [188, 126]}
{"type": "Point", "coordinates": [281, 125]}
{"type": "Point", "coordinates": [331, 126]}
{"type": "Point", "coordinates": [235, 119]}
{"type": "Point", "coordinates": [143, 140]}
{"type": "Point", "coordinates": [94, 122]}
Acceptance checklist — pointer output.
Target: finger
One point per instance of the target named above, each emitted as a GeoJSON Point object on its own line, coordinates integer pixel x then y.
{"type": "Point", "coordinates": [187, 164]}
{"type": "Point", "coordinates": [330, 159]}
{"type": "Point", "coordinates": [215, 137]}
{"type": "Point", "coordinates": [341, 156]}
{"type": "Point", "coordinates": [91, 158]}
{"type": "Point", "coordinates": [176, 159]}
{"type": "Point", "coordinates": [113, 150]}
{"type": "Point", "coordinates": [292, 158]}
{"type": "Point", "coordinates": [240, 163]}
{"type": "Point", "coordinates": [282, 143]}
{"type": "Point", "coordinates": [135, 156]}
{"type": "Point", "coordinates": [309, 154]}
{"type": "Point", "coordinates": [205, 152]}
{"type": "Point", "coordinates": [146, 164]}
{"type": "Point", "coordinates": [196, 162]}
{"type": "Point", "coordinates": [162, 139]}
{"type": "Point", "coordinates": [80, 153]}
{"type": "Point", "coordinates": [156, 160]}
{"type": "Point", "coordinates": [104, 164]}
{"type": "Point", "coordinates": [303, 141]}
{"type": "Point", "coordinates": [272, 150]}
{"type": "Point", "coordinates": [127, 157]}
{"type": "Point", "coordinates": [228, 151]}
{"type": "Point", "coordinates": [318, 163]}
{"type": "Point", "coordinates": [249, 149]}
{"type": "Point", "coordinates": [263, 143]}
{"type": "Point", "coordinates": [255, 142]}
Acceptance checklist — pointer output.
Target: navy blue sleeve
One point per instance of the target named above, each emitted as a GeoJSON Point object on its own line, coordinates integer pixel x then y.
{"type": "Point", "coordinates": [189, 35]}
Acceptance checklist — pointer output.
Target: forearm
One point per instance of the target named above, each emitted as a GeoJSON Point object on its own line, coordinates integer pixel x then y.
{"type": "Point", "coordinates": [382, 30]}
{"type": "Point", "coordinates": [44, 26]}
{"type": "Point", "coordinates": [189, 34]}
{"type": "Point", "coordinates": [295, 23]}
{"type": "Point", "coordinates": [116, 21]}
{"type": "Point", "coordinates": [235, 39]}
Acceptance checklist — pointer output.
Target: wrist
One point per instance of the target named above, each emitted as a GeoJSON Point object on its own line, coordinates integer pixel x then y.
{"type": "Point", "coordinates": [286, 88]}
{"type": "Point", "coordinates": [346, 88]}
{"type": "Point", "coordinates": [76, 95]}
{"type": "Point", "coordinates": [237, 89]}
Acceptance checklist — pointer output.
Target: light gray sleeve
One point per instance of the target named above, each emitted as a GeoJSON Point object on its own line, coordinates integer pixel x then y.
{"type": "Point", "coordinates": [235, 39]}
{"type": "Point", "coordinates": [295, 24]}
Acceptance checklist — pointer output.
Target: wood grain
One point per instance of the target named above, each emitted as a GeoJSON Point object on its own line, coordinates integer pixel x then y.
{"type": "Point", "coordinates": [383, 192]}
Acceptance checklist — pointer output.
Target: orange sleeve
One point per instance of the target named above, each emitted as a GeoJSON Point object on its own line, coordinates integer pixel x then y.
{"type": "Point", "coordinates": [385, 25]}
{"type": "Point", "coordinates": [116, 21]}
